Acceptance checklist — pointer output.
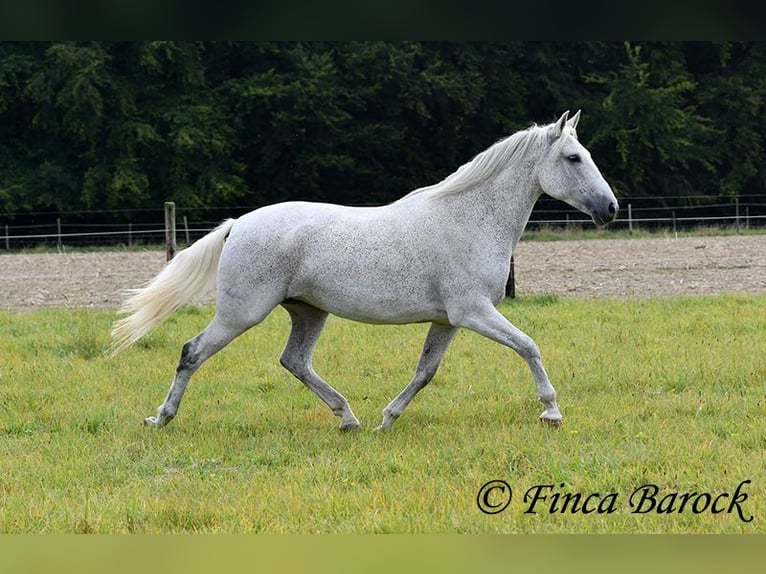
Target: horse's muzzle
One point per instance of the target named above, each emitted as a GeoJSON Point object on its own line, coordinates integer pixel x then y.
{"type": "Point", "coordinates": [606, 214]}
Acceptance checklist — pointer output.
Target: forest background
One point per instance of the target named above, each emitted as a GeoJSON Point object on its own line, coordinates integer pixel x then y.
{"type": "Point", "coordinates": [121, 126]}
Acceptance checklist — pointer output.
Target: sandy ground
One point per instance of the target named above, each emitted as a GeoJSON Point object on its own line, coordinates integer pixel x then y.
{"type": "Point", "coordinates": [640, 268]}
{"type": "Point", "coordinates": [623, 268]}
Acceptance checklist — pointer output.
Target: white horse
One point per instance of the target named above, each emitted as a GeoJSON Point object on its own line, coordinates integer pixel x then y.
{"type": "Point", "coordinates": [440, 254]}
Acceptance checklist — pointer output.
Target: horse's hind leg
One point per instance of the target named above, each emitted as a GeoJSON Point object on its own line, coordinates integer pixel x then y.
{"type": "Point", "coordinates": [195, 352]}
{"type": "Point", "coordinates": [307, 325]}
{"type": "Point", "coordinates": [438, 339]}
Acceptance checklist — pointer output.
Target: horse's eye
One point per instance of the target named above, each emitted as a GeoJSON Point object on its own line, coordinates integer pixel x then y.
{"type": "Point", "coordinates": [574, 158]}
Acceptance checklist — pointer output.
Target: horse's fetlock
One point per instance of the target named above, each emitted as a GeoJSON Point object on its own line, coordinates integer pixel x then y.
{"type": "Point", "coordinates": [391, 414]}
{"type": "Point", "coordinates": [342, 411]}
{"type": "Point", "coordinates": [548, 398]}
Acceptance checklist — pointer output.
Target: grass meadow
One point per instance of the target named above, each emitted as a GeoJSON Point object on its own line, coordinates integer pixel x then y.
{"type": "Point", "coordinates": [664, 392]}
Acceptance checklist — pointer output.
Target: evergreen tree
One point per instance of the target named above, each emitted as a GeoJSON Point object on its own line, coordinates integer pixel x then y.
{"type": "Point", "coordinates": [129, 125]}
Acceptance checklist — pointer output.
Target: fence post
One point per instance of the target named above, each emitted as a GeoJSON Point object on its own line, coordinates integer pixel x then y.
{"type": "Point", "coordinates": [170, 230]}
{"type": "Point", "coordinates": [7, 240]}
{"type": "Point", "coordinates": [630, 219]}
{"type": "Point", "coordinates": [59, 242]}
{"type": "Point", "coordinates": [186, 229]}
{"type": "Point", "coordinates": [510, 285]}
{"type": "Point", "coordinates": [736, 212]}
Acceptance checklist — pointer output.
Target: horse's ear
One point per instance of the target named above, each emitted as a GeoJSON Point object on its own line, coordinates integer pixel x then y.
{"type": "Point", "coordinates": [572, 123]}
{"type": "Point", "coordinates": [560, 124]}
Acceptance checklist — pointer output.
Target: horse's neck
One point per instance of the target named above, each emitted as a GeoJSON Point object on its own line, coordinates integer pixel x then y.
{"type": "Point", "coordinates": [503, 206]}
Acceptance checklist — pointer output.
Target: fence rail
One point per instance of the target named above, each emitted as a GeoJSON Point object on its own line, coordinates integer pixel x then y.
{"type": "Point", "coordinates": [55, 230]}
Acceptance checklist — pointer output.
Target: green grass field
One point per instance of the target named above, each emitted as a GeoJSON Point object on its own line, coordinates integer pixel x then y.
{"type": "Point", "coordinates": [666, 392]}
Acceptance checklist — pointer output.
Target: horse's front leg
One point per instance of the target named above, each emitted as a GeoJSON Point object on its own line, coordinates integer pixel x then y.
{"type": "Point", "coordinates": [484, 319]}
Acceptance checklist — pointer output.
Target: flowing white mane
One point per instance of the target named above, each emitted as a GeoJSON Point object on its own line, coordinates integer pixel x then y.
{"type": "Point", "coordinates": [488, 163]}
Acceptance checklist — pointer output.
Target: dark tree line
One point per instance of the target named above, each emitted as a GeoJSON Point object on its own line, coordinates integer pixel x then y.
{"type": "Point", "coordinates": [127, 125]}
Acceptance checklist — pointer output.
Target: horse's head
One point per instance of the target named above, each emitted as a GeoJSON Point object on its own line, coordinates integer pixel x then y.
{"type": "Point", "coordinates": [567, 172]}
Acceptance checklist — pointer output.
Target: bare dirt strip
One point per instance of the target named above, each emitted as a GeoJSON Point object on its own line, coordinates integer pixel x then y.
{"type": "Point", "coordinates": [621, 268]}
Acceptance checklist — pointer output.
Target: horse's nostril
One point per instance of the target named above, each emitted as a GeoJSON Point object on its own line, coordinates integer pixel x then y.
{"type": "Point", "coordinates": [612, 209]}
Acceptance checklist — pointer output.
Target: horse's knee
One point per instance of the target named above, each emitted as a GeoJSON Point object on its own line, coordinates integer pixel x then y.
{"type": "Point", "coordinates": [527, 348]}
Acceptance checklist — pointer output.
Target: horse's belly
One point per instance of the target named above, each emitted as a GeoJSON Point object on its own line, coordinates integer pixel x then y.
{"type": "Point", "coordinates": [382, 300]}
{"type": "Point", "coordinates": [381, 316]}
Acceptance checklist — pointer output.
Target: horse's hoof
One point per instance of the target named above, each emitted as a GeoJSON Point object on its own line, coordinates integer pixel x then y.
{"type": "Point", "coordinates": [153, 422]}
{"type": "Point", "coordinates": [349, 427]}
{"type": "Point", "coordinates": [555, 423]}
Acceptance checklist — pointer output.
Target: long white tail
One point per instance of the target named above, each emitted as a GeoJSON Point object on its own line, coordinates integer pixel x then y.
{"type": "Point", "coordinates": [190, 273]}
